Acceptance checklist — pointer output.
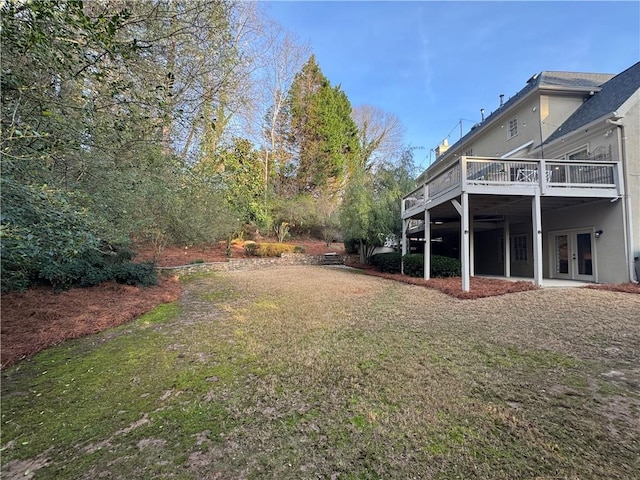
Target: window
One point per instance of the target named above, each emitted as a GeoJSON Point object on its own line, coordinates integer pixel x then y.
{"type": "Point", "coordinates": [513, 128]}
{"type": "Point", "coordinates": [580, 154]}
{"type": "Point", "coordinates": [519, 248]}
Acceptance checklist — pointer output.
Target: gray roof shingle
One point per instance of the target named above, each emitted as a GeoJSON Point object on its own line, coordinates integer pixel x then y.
{"type": "Point", "coordinates": [611, 96]}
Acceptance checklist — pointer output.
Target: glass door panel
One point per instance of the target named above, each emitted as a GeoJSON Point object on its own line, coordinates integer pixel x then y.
{"type": "Point", "coordinates": [562, 254]}
{"type": "Point", "coordinates": [583, 247]}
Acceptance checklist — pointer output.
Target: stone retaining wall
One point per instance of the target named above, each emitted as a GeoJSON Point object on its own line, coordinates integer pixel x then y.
{"type": "Point", "coordinates": [234, 264]}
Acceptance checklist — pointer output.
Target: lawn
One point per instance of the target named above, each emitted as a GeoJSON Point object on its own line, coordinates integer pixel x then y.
{"type": "Point", "coordinates": [312, 372]}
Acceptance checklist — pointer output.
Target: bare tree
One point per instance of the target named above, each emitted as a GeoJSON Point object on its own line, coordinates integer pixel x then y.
{"type": "Point", "coordinates": [381, 134]}
{"type": "Point", "coordinates": [283, 58]}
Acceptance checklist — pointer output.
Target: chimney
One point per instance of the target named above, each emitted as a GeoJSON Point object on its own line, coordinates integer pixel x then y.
{"type": "Point", "coordinates": [501, 99]}
{"type": "Point", "coordinates": [443, 147]}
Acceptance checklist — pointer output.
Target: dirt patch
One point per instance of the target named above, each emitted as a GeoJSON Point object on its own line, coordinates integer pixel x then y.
{"type": "Point", "coordinates": [25, 469]}
{"type": "Point", "coordinates": [39, 318]}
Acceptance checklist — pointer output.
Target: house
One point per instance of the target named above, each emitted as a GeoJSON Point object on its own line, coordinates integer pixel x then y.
{"type": "Point", "coordinates": [547, 186]}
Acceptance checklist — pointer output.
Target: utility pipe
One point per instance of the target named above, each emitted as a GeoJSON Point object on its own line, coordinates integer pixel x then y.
{"type": "Point", "coordinates": [626, 206]}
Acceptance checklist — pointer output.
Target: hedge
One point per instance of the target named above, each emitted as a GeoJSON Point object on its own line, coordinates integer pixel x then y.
{"type": "Point", "coordinates": [387, 262]}
{"type": "Point", "coordinates": [270, 249]}
{"type": "Point", "coordinates": [414, 264]}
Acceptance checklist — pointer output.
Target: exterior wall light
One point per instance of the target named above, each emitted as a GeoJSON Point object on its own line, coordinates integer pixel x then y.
{"type": "Point", "coordinates": [599, 233]}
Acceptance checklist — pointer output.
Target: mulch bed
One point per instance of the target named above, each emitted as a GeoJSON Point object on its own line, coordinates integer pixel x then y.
{"type": "Point", "coordinates": [173, 256]}
{"type": "Point", "coordinates": [452, 286]}
{"type": "Point", "coordinates": [38, 318]}
{"type": "Point", "coordinates": [617, 287]}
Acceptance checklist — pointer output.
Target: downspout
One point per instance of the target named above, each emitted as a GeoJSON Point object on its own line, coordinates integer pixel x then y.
{"type": "Point", "coordinates": [626, 199]}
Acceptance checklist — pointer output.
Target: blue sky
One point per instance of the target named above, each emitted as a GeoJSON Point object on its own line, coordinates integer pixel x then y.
{"type": "Point", "coordinates": [435, 63]}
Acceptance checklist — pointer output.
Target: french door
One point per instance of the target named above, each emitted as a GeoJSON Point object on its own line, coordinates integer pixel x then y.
{"type": "Point", "coordinates": [573, 255]}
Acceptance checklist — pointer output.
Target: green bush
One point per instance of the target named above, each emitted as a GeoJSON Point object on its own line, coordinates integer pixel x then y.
{"type": "Point", "coordinates": [440, 266]}
{"type": "Point", "coordinates": [445, 266]}
{"type": "Point", "coordinates": [414, 264]}
{"type": "Point", "coordinates": [387, 262]}
{"type": "Point", "coordinates": [351, 246]}
{"type": "Point", "coordinates": [299, 249]}
{"type": "Point", "coordinates": [139, 274]}
{"type": "Point", "coordinates": [46, 237]}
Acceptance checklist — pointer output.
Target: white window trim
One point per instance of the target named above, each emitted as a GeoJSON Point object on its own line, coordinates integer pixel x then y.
{"type": "Point", "coordinates": [514, 251]}
{"type": "Point", "coordinates": [577, 150]}
{"type": "Point", "coordinates": [509, 136]}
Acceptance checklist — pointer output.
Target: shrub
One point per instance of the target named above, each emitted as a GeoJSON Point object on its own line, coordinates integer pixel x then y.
{"type": "Point", "coordinates": [351, 246]}
{"type": "Point", "coordinates": [268, 249]}
{"type": "Point", "coordinates": [250, 247]}
{"type": "Point", "coordinates": [440, 266]}
{"type": "Point", "coordinates": [387, 262]}
{"type": "Point", "coordinates": [139, 274]}
{"type": "Point", "coordinates": [299, 249]}
{"type": "Point", "coordinates": [445, 266]}
{"type": "Point", "coordinates": [47, 237]}
{"type": "Point", "coordinates": [414, 264]}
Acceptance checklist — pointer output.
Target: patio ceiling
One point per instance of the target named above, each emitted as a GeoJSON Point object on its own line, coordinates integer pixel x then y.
{"type": "Point", "coordinates": [489, 211]}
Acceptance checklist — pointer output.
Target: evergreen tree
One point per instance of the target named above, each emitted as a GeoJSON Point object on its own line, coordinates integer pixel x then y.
{"type": "Point", "coordinates": [323, 135]}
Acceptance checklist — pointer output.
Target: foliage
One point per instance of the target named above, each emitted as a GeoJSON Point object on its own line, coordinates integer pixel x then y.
{"type": "Point", "coordinates": [387, 262]}
{"type": "Point", "coordinates": [236, 169]}
{"type": "Point", "coordinates": [322, 132]}
{"type": "Point", "coordinates": [414, 264]}
{"type": "Point", "coordinates": [282, 231]}
{"type": "Point", "coordinates": [136, 120]}
{"type": "Point", "coordinates": [269, 249]}
{"type": "Point", "coordinates": [445, 266]}
{"type": "Point", "coordinates": [370, 212]}
{"type": "Point", "coordinates": [440, 266]}
{"type": "Point", "coordinates": [351, 246]}
{"type": "Point", "coordinates": [45, 237]}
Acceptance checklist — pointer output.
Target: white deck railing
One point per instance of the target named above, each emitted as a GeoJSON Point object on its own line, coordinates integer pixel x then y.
{"type": "Point", "coordinates": [497, 175]}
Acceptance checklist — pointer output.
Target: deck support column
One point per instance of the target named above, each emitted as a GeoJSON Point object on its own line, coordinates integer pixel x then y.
{"type": "Point", "coordinates": [537, 239]}
{"type": "Point", "coordinates": [404, 244]}
{"type": "Point", "coordinates": [506, 244]}
{"type": "Point", "coordinates": [464, 241]}
{"type": "Point", "coordinates": [472, 259]}
{"type": "Point", "coordinates": [427, 244]}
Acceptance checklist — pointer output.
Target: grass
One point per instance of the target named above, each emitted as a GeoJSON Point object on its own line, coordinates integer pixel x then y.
{"type": "Point", "coordinates": [304, 372]}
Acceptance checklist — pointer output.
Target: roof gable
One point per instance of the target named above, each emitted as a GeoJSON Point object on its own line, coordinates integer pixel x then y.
{"type": "Point", "coordinates": [610, 97]}
{"type": "Point", "coordinates": [555, 80]}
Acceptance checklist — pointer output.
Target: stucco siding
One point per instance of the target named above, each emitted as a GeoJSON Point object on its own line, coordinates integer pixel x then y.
{"type": "Point", "coordinates": [608, 250]}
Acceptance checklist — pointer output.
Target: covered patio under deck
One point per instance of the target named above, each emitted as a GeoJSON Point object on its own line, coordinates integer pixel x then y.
{"type": "Point", "coordinates": [497, 194]}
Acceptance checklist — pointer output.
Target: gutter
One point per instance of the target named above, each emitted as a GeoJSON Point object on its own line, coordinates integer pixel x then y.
{"type": "Point", "coordinates": [626, 205]}
{"type": "Point", "coordinates": [609, 117]}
